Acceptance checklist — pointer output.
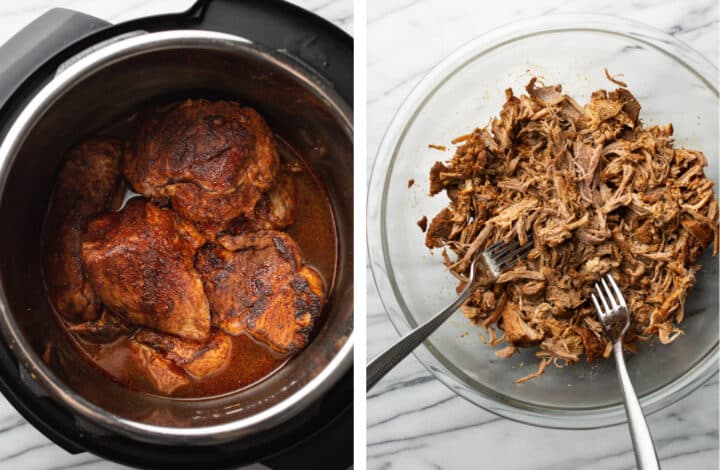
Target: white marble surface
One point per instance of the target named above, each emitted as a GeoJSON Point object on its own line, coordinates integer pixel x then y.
{"type": "Point", "coordinates": [413, 420]}
{"type": "Point", "coordinates": [21, 445]}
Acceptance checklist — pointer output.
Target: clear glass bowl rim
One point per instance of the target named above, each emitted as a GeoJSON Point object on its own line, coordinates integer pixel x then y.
{"type": "Point", "coordinates": [587, 418]}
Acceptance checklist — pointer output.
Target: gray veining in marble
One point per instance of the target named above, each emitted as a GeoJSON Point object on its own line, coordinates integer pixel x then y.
{"type": "Point", "coordinates": [21, 445]}
{"type": "Point", "coordinates": [415, 422]}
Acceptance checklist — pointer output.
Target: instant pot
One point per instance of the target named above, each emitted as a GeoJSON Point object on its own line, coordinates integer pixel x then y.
{"type": "Point", "coordinates": [66, 76]}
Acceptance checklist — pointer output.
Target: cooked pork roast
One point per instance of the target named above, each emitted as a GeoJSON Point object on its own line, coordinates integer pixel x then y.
{"type": "Point", "coordinates": [599, 192]}
{"type": "Point", "coordinates": [192, 288]}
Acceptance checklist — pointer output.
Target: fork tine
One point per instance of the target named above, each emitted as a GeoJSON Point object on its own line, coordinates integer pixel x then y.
{"type": "Point", "coordinates": [510, 246]}
{"type": "Point", "coordinates": [518, 252]}
{"type": "Point", "coordinates": [615, 287]}
{"type": "Point", "coordinates": [494, 246]}
{"type": "Point", "coordinates": [609, 293]}
{"type": "Point", "coordinates": [597, 305]}
{"type": "Point", "coordinates": [505, 266]}
{"type": "Point", "coordinates": [602, 297]}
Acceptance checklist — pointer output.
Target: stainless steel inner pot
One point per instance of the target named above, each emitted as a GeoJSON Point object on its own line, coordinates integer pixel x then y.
{"type": "Point", "coordinates": [87, 94]}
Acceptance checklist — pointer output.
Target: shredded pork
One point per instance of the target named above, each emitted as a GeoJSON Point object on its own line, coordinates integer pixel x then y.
{"type": "Point", "coordinates": [598, 192]}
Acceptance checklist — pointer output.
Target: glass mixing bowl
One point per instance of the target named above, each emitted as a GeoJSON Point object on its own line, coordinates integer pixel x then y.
{"type": "Point", "coordinates": [672, 82]}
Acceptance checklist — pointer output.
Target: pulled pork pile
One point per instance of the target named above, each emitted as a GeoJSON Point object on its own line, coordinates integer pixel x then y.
{"type": "Point", "coordinates": [598, 192]}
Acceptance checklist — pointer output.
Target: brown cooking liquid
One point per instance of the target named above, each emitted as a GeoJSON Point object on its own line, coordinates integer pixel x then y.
{"type": "Point", "coordinates": [250, 361]}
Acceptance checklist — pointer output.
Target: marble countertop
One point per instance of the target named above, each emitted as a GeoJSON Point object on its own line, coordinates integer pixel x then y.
{"type": "Point", "coordinates": [413, 420]}
{"type": "Point", "coordinates": [21, 445]}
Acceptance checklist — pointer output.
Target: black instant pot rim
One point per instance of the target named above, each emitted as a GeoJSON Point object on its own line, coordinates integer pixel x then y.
{"type": "Point", "coordinates": [58, 424]}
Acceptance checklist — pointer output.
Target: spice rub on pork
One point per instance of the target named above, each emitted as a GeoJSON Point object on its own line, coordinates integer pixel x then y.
{"type": "Point", "coordinates": [192, 288]}
{"type": "Point", "coordinates": [599, 192]}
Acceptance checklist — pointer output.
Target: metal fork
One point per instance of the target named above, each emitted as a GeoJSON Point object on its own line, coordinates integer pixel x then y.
{"type": "Point", "coordinates": [497, 258]}
{"type": "Point", "coordinates": [615, 318]}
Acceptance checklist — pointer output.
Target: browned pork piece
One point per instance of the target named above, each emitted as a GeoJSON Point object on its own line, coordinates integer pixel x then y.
{"type": "Point", "coordinates": [276, 209]}
{"type": "Point", "coordinates": [257, 283]}
{"type": "Point", "coordinates": [164, 362]}
{"type": "Point", "coordinates": [88, 184]}
{"type": "Point", "coordinates": [599, 192]}
{"type": "Point", "coordinates": [163, 374]}
{"type": "Point", "coordinates": [213, 159]}
{"type": "Point", "coordinates": [104, 329]}
{"type": "Point", "coordinates": [139, 261]}
{"type": "Point", "coordinates": [199, 359]}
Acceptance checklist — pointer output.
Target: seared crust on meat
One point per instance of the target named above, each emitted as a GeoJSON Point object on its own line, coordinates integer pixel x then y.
{"type": "Point", "coordinates": [213, 159]}
{"type": "Point", "coordinates": [105, 329]}
{"type": "Point", "coordinates": [517, 331]}
{"type": "Point", "coordinates": [163, 375]}
{"type": "Point", "coordinates": [88, 184]}
{"type": "Point", "coordinates": [276, 209]}
{"type": "Point", "coordinates": [140, 263]}
{"type": "Point", "coordinates": [701, 231]}
{"type": "Point", "coordinates": [440, 229]}
{"type": "Point", "coordinates": [257, 283]}
{"type": "Point", "coordinates": [593, 345]}
{"type": "Point", "coordinates": [199, 359]}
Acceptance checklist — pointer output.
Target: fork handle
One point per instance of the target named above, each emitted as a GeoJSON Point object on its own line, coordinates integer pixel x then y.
{"type": "Point", "coordinates": [381, 365]}
{"type": "Point", "coordinates": [645, 454]}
